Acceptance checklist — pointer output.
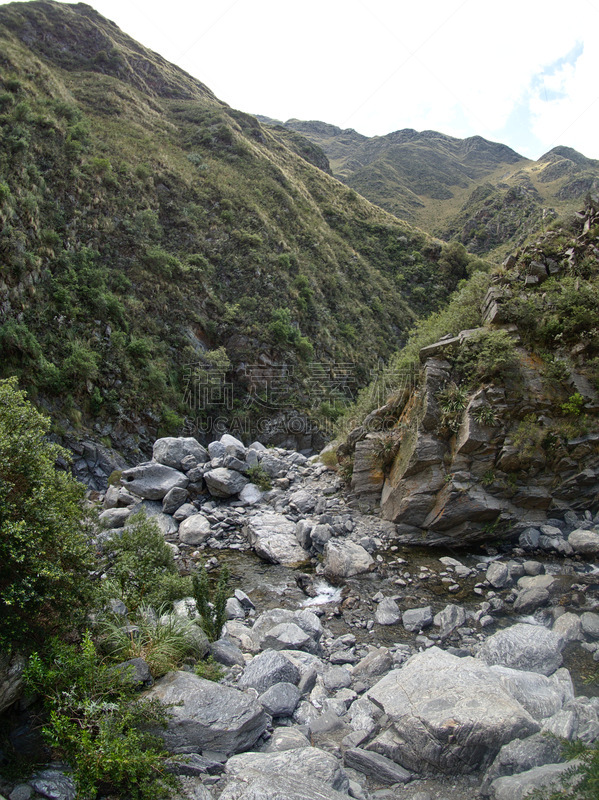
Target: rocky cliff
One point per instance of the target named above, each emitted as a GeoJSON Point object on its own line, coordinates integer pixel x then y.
{"type": "Point", "coordinates": [500, 431]}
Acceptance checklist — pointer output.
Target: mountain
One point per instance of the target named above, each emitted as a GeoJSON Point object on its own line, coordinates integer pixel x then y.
{"type": "Point", "coordinates": [480, 193]}
{"type": "Point", "coordinates": [164, 255]}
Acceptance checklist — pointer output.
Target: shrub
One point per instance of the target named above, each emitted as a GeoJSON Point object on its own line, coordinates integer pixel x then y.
{"type": "Point", "coordinates": [486, 355]}
{"type": "Point", "coordinates": [209, 669]}
{"type": "Point", "coordinates": [258, 475]}
{"type": "Point", "coordinates": [140, 568]}
{"type": "Point", "coordinates": [212, 608]}
{"type": "Point", "coordinates": [45, 558]}
{"type": "Point", "coordinates": [98, 725]}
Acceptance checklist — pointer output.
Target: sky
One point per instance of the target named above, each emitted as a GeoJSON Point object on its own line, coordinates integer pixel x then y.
{"type": "Point", "coordinates": [521, 72]}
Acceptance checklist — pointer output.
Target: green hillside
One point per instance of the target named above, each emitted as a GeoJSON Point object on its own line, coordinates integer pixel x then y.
{"type": "Point", "coordinates": [147, 226]}
{"type": "Point", "coordinates": [480, 193]}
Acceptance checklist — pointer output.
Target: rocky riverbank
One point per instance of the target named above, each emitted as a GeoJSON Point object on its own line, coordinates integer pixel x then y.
{"type": "Point", "coordinates": [353, 664]}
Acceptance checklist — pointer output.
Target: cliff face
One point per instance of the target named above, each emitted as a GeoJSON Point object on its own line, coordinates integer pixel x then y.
{"type": "Point", "coordinates": [501, 430]}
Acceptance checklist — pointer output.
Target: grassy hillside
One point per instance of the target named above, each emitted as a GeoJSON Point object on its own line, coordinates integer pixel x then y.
{"type": "Point", "coordinates": [480, 193]}
{"type": "Point", "coordinates": [146, 226]}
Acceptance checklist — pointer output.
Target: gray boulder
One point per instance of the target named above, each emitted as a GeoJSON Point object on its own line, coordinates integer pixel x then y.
{"type": "Point", "coordinates": [273, 466]}
{"type": "Point", "coordinates": [516, 787]}
{"type": "Point", "coordinates": [207, 715]}
{"type": "Point", "coordinates": [416, 619]}
{"type": "Point", "coordinates": [171, 451]}
{"type": "Point", "coordinates": [589, 622]}
{"type": "Point", "coordinates": [174, 499]}
{"type": "Point", "coordinates": [152, 480]}
{"type": "Point", "coordinates": [272, 537]}
{"type": "Point", "coordinates": [54, 784]}
{"type": "Point", "coordinates": [288, 636]}
{"type": "Point", "coordinates": [281, 699]}
{"type": "Point", "coordinates": [344, 559]}
{"type": "Point", "coordinates": [255, 785]}
{"type": "Point", "coordinates": [521, 755]}
{"type": "Point", "coordinates": [286, 739]}
{"type": "Point", "coordinates": [310, 762]}
{"type": "Point", "coordinates": [266, 669]}
{"type": "Point", "coordinates": [584, 542]}
{"type": "Point", "coordinates": [223, 482]}
{"type": "Point", "coordinates": [303, 501]}
{"type": "Point", "coordinates": [378, 662]}
{"type": "Point", "coordinates": [569, 627]}
{"type": "Point", "coordinates": [541, 696]}
{"type": "Point", "coordinates": [250, 495]}
{"type": "Point", "coordinates": [194, 530]}
{"type": "Point", "coordinates": [447, 713]}
{"type": "Point", "coordinates": [498, 574]}
{"type": "Point", "coordinates": [450, 618]}
{"type": "Point", "coordinates": [114, 517]}
{"type": "Point", "coordinates": [532, 648]}
{"type": "Point", "coordinates": [376, 766]}
{"type": "Point", "coordinates": [528, 600]}
{"type": "Point", "coordinates": [387, 612]}
{"type": "Point", "coordinates": [233, 447]}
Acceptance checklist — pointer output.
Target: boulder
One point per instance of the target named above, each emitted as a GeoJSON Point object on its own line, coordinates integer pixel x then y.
{"type": "Point", "coordinates": [152, 481]}
{"type": "Point", "coordinates": [387, 612]}
{"type": "Point", "coordinates": [194, 530]}
{"type": "Point", "coordinates": [585, 543]}
{"type": "Point", "coordinates": [416, 619]}
{"type": "Point", "coordinates": [310, 762]}
{"type": "Point", "coordinates": [522, 755]}
{"type": "Point", "coordinates": [286, 739]}
{"type": "Point", "coordinates": [250, 495]}
{"type": "Point", "coordinates": [303, 501]}
{"type": "Point", "coordinates": [517, 787]}
{"type": "Point", "coordinates": [498, 574]}
{"type": "Point", "coordinates": [223, 482]}
{"type": "Point", "coordinates": [344, 559]}
{"type": "Point", "coordinates": [541, 696]}
{"type": "Point", "coordinates": [54, 784]}
{"type": "Point", "coordinates": [280, 700]}
{"type": "Point", "coordinates": [207, 715]}
{"type": "Point", "coordinates": [447, 713]}
{"type": "Point", "coordinates": [288, 636]}
{"type": "Point", "coordinates": [527, 647]}
{"type": "Point", "coordinates": [273, 466]}
{"type": "Point", "coordinates": [174, 499]}
{"type": "Point", "coordinates": [171, 451]}
{"type": "Point", "coordinates": [255, 785]}
{"type": "Point", "coordinates": [272, 537]}
{"type": "Point", "coordinates": [266, 669]}
{"type": "Point", "coordinates": [378, 662]}
{"type": "Point", "coordinates": [589, 622]}
{"type": "Point", "coordinates": [450, 618]}
{"type": "Point", "coordinates": [376, 766]}
{"type": "Point", "coordinates": [114, 517]}
{"type": "Point", "coordinates": [233, 447]}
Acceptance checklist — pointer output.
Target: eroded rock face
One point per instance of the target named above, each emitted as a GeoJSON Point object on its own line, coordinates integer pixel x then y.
{"type": "Point", "coordinates": [11, 679]}
{"type": "Point", "coordinates": [448, 714]}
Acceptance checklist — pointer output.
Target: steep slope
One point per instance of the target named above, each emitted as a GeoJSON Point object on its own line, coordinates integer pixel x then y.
{"type": "Point", "coordinates": [492, 422]}
{"type": "Point", "coordinates": [148, 228]}
{"type": "Point", "coordinates": [481, 193]}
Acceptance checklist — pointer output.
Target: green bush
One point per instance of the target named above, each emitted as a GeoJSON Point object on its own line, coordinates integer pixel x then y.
{"type": "Point", "coordinates": [211, 606]}
{"type": "Point", "coordinates": [258, 476]}
{"type": "Point", "coordinates": [98, 725]}
{"type": "Point", "coordinates": [485, 355]}
{"type": "Point", "coordinates": [45, 556]}
{"type": "Point", "coordinates": [140, 568]}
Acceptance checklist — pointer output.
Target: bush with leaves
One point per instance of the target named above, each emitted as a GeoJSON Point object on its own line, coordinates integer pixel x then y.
{"type": "Point", "coordinates": [140, 568]}
{"type": "Point", "coordinates": [95, 721]}
{"type": "Point", "coordinates": [211, 607]}
{"type": "Point", "coordinates": [45, 557]}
